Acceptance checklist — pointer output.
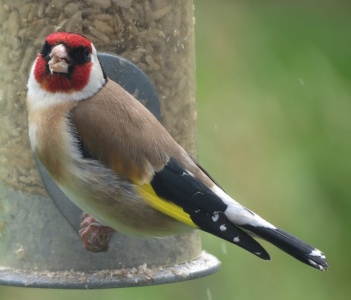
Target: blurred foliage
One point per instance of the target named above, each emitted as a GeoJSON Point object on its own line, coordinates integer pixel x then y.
{"type": "Point", "coordinates": [273, 92]}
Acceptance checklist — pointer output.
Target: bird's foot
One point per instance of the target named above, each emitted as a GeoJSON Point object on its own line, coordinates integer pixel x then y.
{"type": "Point", "coordinates": [95, 236]}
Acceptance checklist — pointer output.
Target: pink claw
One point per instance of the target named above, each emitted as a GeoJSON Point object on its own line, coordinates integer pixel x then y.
{"type": "Point", "coordinates": [94, 235]}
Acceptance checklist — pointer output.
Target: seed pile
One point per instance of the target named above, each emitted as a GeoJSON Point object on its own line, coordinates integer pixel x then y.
{"type": "Point", "coordinates": [157, 35]}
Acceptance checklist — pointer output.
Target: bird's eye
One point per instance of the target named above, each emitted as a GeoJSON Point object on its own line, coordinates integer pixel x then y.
{"type": "Point", "coordinates": [80, 55]}
{"type": "Point", "coordinates": [86, 52]}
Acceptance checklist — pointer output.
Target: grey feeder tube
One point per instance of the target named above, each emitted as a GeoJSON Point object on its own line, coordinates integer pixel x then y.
{"type": "Point", "coordinates": [39, 241]}
{"type": "Point", "coordinates": [40, 246]}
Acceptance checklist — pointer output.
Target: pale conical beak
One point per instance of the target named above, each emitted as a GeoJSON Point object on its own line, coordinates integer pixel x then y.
{"type": "Point", "coordinates": [59, 59]}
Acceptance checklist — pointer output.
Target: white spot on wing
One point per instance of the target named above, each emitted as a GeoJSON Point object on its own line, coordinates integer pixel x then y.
{"type": "Point", "coordinates": [215, 217]}
{"type": "Point", "coordinates": [236, 239]}
{"type": "Point", "coordinates": [223, 227]}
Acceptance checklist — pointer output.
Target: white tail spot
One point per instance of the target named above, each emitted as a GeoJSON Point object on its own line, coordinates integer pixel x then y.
{"type": "Point", "coordinates": [215, 217]}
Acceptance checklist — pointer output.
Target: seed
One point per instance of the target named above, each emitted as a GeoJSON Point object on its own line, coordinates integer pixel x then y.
{"type": "Point", "coordinates": [155, 34]}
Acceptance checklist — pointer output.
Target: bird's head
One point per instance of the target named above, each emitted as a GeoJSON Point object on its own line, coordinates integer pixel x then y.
{"type": "Point", "coordinates": [67, 63]}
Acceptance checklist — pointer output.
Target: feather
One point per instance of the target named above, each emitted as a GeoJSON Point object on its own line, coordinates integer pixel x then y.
{"type": "Point", "coordinates": [291, 245]}
{"type": "Point", "coordinates": [206, 210]}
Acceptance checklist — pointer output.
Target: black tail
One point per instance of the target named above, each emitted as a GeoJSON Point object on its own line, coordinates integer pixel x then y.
{"type": "Point", "coordinates": [291, 245]}
{"type": "Point", "coordinates": [219, 225]}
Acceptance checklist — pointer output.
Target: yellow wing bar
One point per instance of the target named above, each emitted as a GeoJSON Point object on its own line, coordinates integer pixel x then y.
{"type": "Point", "coordinates": [166, 207]}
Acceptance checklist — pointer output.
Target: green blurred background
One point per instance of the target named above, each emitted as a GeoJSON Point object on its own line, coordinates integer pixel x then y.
{"type": "Point", "coordinates": [273, 92]}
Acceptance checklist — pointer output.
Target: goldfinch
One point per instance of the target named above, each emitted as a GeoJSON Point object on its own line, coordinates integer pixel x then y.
{"type": "Point", "coordinates": [115, 161]}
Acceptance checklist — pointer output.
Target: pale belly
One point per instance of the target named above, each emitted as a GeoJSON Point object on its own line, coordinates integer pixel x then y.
{"type": "Point", "coordinates": [115, 203]}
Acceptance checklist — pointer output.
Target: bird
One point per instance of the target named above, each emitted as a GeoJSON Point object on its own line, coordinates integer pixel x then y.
{"type": "Point", "coordinates": [118, 163]}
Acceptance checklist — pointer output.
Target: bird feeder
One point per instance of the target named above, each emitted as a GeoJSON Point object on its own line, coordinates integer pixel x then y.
{"type": "Point", "coordinates": [150, 46]}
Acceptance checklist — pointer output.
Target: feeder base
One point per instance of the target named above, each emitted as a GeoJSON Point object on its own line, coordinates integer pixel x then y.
{"type": "Point", "coordinates": [205, 265]}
